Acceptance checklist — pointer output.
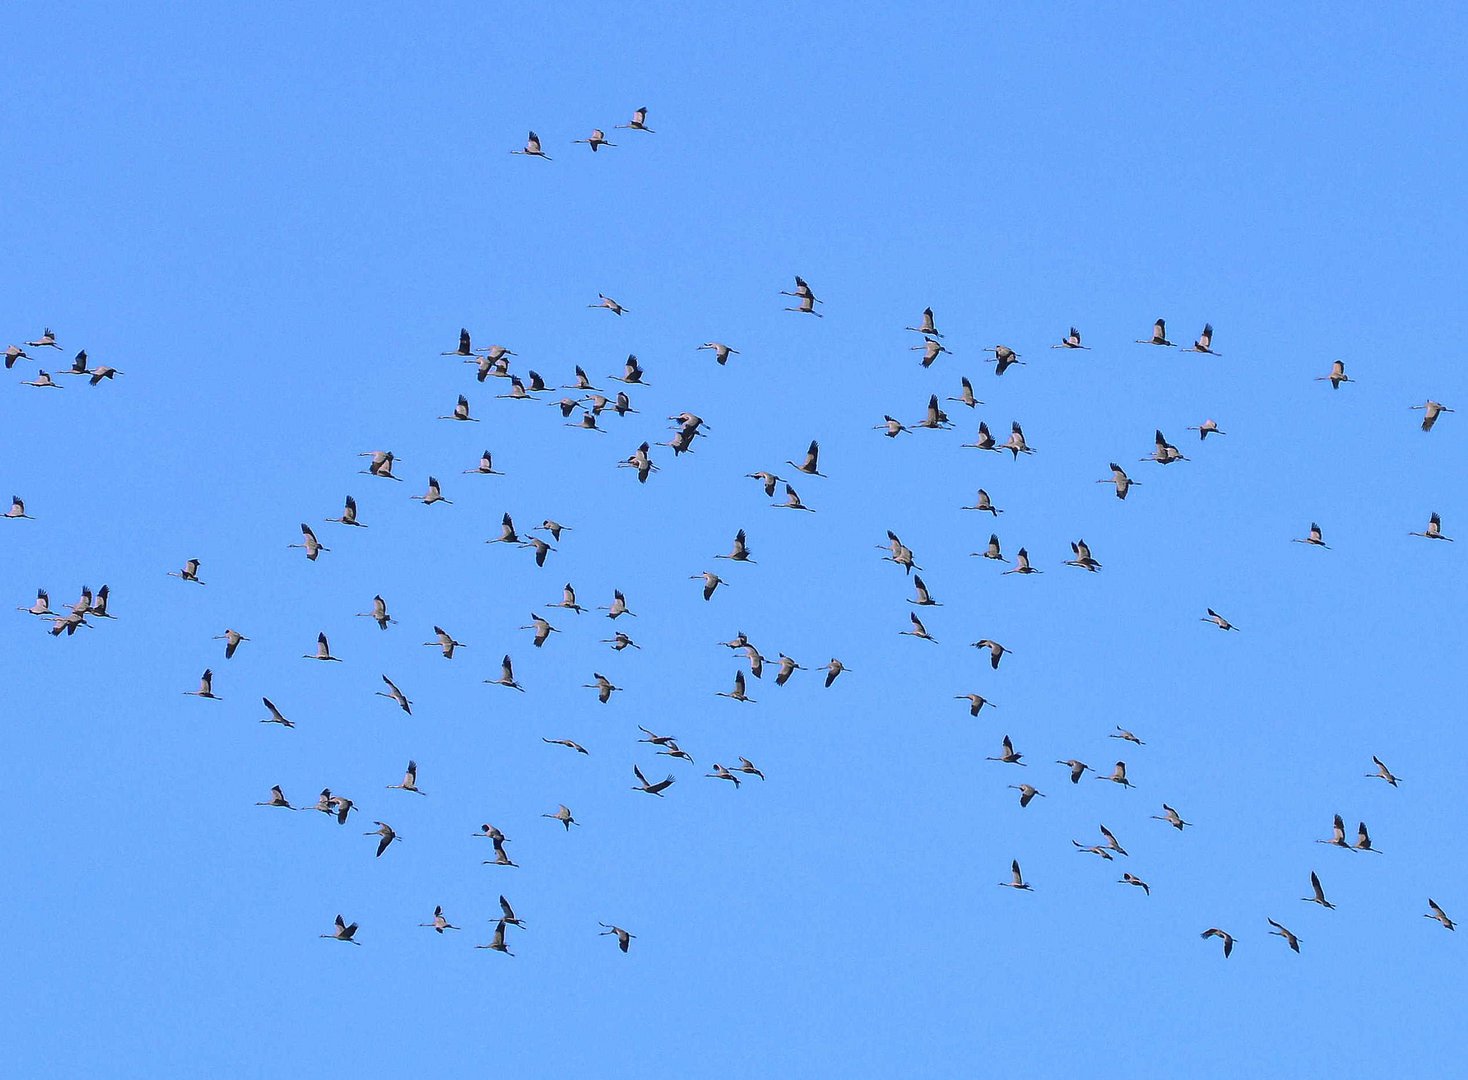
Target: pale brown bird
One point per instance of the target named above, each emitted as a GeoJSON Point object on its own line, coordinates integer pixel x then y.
{"type": "Point", "coordinates": [1335, 378]}
{"type": "Point", "coordinates": [652, 789]}
{"type": "Point", "coordinates": [1007, 755]}
{"type": "Point", "coordinates": [638, 123]}
{"type": "Point", "coordinates": [1431, 410]}
{"type": "Point", "coordinates": [1280, 931]}
{"type": "Point", "coordinates": [532, 147]}
{"type": "Point", "coordinates": [597, 140]}
{"type": "Point", "coordinates": [1227, 938]}
{"type": "Point", "coordinates": [1159, 335]}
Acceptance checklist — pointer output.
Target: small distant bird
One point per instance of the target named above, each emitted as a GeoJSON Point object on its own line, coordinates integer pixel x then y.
{"type": "Point", "coordinates": [711, 581]}
{"type": "Point", "coordinates": [432, 495]}
{"type": "Point", "coordinates": [382, 463]}
{"type": "Point", "coordinates": [47, 340]}
{"type": "Point", "coordinates": [620, 641]}
{"type": "Point", "coordinates": [563, 815]}
{"type": "Point", "coordinates": [206, 687]}
{"type": "Point", "coordinates": [349, 515]}
{"type": "Point", "coordinates": [1228, 939]}
{"type": "Point", "coordinates": [323, 651]}
{"type": "Point", "coordinates": [507, 676]}
{"type": "Point", "coordinates": [1172, 817]}
{"type": "Point", "coordinates": [1132, 879]}
{"type": "Point", "coordinates": [1016, 879]}
{"type": "Point", "coordinates": [652, 789]}
{"type": "Point", "coordinates": [1431, 410]}
{"type": "Point", "coordinates": [1072, 341]}
{"type": "Point", "coordinates": [931, 349]}
{"type": "Point", "coordinates": [309, 542]}
{"type": "Point", "coordinates": [1022, 564]}
{"type": "Point", "coordinates": [1120, 479]}
{"type": "Point", "coordinates": [1336, 377]}
{"type": "Point", "coordinates": [641, 461]}
{"type": "Point", "coordinates": [277, 798]}
{"type": "Point", "coordinates": [996, 651]}
{"type": "Point", "coordinates": [623, 938]}
{"type": "Point", "coordinates": [603, 686]}
{"type": "Point", "coordinates": [767, 480]}
{"type": "Point", "coordinates": [509, 918]}
{"type": "Point", "coordinates": [485, 466]}
{"type": "Point", "coordinates": [461, 411]}
{"type": "Point", "coordinates": [597, 140]}
{"type": "Point", "coordinates": [1315, 539]}
{"type": "Point", "coordinates": [1016, 444]}
{"type": "Point", "coordinates": [1007, 755]}
{"type": "Point", "coordinates": [497, 943]}
{"type": "Point", "coordinates": [923, 597]}
{"type": "Point", "coordinates": [1439, 914]}
{"type": "Point", "coordinates": [378, 614]}
{"type": "Point", "coordinates": [1118, 775]}
{"type": "Point", "coordinates": [43, 381]}
{"type": "Point", "coordinates": [1204, 344]}
{"type": "Point", "coordinates": [737, 694]}
{"type": "Point", "coordinates": [833, 669]}
{"type": "Point", "coordinates": [1111, 843]}
{"type": "Point", "coordinates": [231, 639]}
{"type": "Point", "coordinates": [1026, 793]}
{"type": "Point", "coordinates": [410, 780]}
{"type": "Point", "coordinates": [992, 551]}
{"type": "Point", "coordinates": [1434, 530]}
{"type": "Point", "coordinates": [542, 629]}
{"type": "Point", "coordinates": [275, 716]}
{"type": "Point", "coordinates": [444, 641]}
{"type": "Point", "coordinates": [1123, 733]}
{"type": "Point", "coordinates": [748, 767]}
{"type": "Point", "coordinates": [890, 427]}
{"type": "Point", "coordinates": [569, 744]}
{"type": "Point", "coordinates": [721, 351]}
{"type": "Point", "coordinates": [976, 702]}
{"type": "Point", "coordinates": [1077, 769]}
{"type": "Point", "coordinates": [927, 329]}
{"type": "Point", "coordinates": [604, 301]}
{"type": "Point", "coordinates": [1082, 557]}
{"type": "Point", "coordinates": [385, 831]}
{"type": "Point", "coordinates": [792, 501]}
{"type": "Point", "coordinates": [618, 606]}
{"type": "Point", "coordinates": [984, 440]}
{"type": "Point", "coordinates": [966, 397]}
{"type": "Point", "coordinates": [439, 923]}
{"type": "Point", "coordinates": [1382, 772]}
{"type": "Point", "coordinates": [1337, 835]}
{"type": "Point", "coordinates": [1319, 893]}
{"type": "Point", "coordinates": [532, 148]}
{"type": "Point", "coordinates": [740, 552]}
{"type": "Point", "coordinates": [1280, 931]}
{"type": "Point", "coordinates": [1004, 358]}
{"type": "Point", "coordinates": [721, 773]}
{"type": "Point", "coordinates": [788, 667]}
{"type": "Point", "coordinates": [42, 606]}
{"type": "Point", "coordinates": [1363, 839]}
{"type": "Point", "coordinates": [918, 629]}
{"type": "Point", "coordinates": [811, 465]}
{"type": "Point", "coordinates": [14, 353]}
{"type": "Point", "coordinates": [1164, 453]}
{"type": "Point", "coordinates": [190, 571]}
{"type": "Point", "coordinates": [982, 502]}
{"type": "Point", "coordinates": [1159, 335]}
{"type": "Point", "coordinates": [1218, 620]}
{"type": "Point", "coordinates": [638, 123]}
{"type": "Point", "coordinates": [394, 694]}
{"type": "Point", "coordinates": [1207, 428]}
{"type": "Point", "coordinates": [343, 932]}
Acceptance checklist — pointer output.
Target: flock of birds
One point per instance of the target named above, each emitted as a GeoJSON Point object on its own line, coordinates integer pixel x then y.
{"type": "Point", "coordinates": [581, 405]}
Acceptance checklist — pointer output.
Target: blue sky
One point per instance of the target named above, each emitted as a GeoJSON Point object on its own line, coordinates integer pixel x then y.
{"type": "Point", "coordinates": [274, 221]}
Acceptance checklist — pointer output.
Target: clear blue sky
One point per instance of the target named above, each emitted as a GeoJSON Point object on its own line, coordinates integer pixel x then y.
{"type": "Point", "coordinates": [273, 220]}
